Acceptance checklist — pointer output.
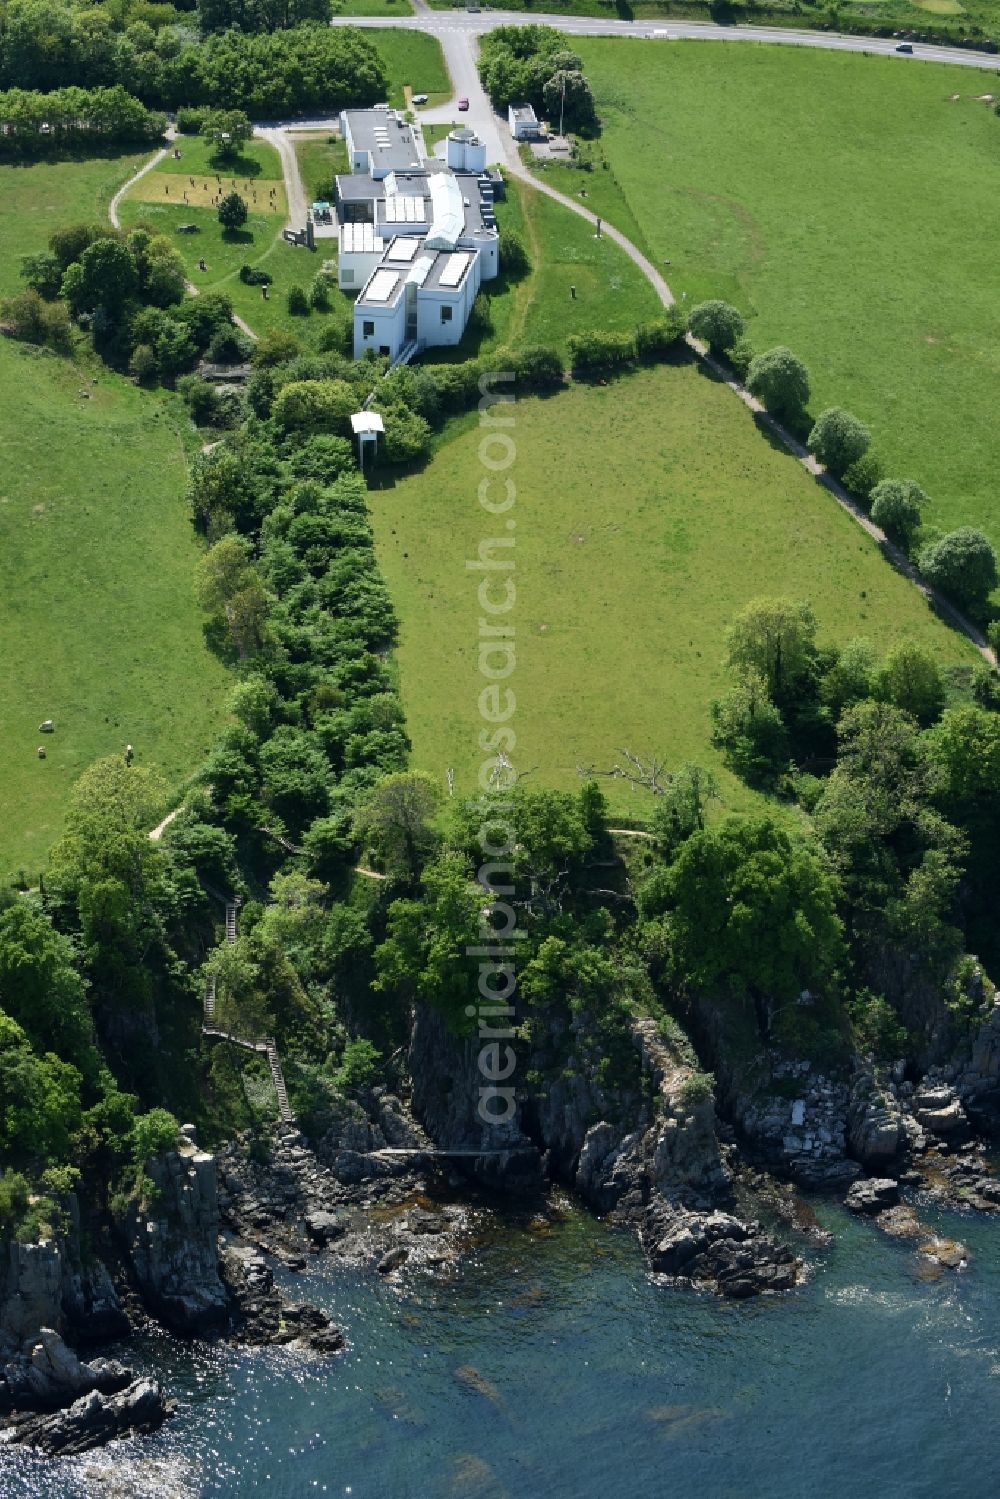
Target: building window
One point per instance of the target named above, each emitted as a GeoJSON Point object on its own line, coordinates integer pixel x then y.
{"type": "Point", "coordinates": [346, 276]}
{"type": "Point", "coordinates": [446, 314]}
{"type": "Point", "coordinates": [367, 330]}
{"type": "Point", "coordinates": [385, 349]}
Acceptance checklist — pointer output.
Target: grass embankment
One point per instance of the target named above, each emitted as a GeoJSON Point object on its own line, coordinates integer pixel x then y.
{"type": "Point", "coordinates": [611, 293]}
{"type": "Point", "coordinates": [99, 628]}
{"type": "Point", "coordinates": [850, 206]}
{"type": "Point", "coordinates": [648, 513]}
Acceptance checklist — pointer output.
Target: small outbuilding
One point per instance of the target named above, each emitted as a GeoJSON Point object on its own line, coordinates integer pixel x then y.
{"type": "Point", "coordinates": [523, 122]}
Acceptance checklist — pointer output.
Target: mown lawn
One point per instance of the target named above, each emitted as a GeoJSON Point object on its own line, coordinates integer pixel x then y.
{"type": "Point", "coordinates": [99, 627]}
{"type": "Point", "coordinates": [850, 206]}
{"type": "Point", "coordinates": [648, 512]}
{"type": "Point", "coordinates": [35, 200]}
{"type": "Point", "coordinates": [320, 158]}
{"type": "Point", "coordinates": [414, 58]}
{"type": "Point", "coordinates": [199, 158]}
{"type": "Point", "coordinates": [258, 243]}
{"type": "Point", "coordinates": [611, 293]}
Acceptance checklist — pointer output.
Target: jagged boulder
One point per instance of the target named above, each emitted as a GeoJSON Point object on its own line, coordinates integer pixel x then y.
{"type": "Point", "coordinates": [873, 1195]}
{"type": "Point", "coordinates": [732, 1258]}
{"type": "Point", "coordinates": [875, 1130]}
{"type": "Point", "coordinates": [92, 1420]}
{"type": "Point", "coordinates": [939, 1111]}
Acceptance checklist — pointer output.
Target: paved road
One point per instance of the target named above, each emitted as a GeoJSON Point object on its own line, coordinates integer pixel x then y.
{"type": "Point", "coordinates": [445, 24]}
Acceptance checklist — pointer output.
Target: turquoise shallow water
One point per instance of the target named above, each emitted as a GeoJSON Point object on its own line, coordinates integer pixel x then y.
{"type": "Point", "coordinates": [553, 1366]}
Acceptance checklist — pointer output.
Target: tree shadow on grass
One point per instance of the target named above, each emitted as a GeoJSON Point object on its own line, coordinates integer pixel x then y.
{"type": "Point", "coordinates": [236, 165]}
{"type": "Point", "coordinates": [238, 236]}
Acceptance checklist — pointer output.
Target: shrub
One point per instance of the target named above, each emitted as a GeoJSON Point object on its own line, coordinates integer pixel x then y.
{"type": "Point", "coordinates": [592, 353]}
{"type": "Point", "coordinates": [251, 276]}
{"type": "Point", "coordinates": [962, 564]}
{"type": "Point", "coordinates": [152, 1133]}
{"type": "Point", "coordinates": [319, 292]}
{"type": "Point", "coordinates": [910, 679]}
{"type": "Point", "coordinates": [896, 506]}
{"type": "Point", "coordinates": [229, 346]}
{"type": "Point", "coordinates": [298, 302]}
{"type": "Point", "coordinates": [863, 475]}
{"type": "Point", "coordinates": [779, 381]}
{"type": "Point", "coordinates": [838, 439]}
{"type": "Point", "coordinates": [515, 262]}
{"type": "Point", "coordinates": [190, 120]}
{"type": "Point", "coordinates": [143, 366]}
{"type": "Point", "coordinates": [696, 1089]}
{"type": "Point", "coordinates": [740, 357]}
{"type": "Point", "coordinates": [358, 1066]}
{"type": "Point", "coordinates": [658, 340]}
{"type": "Point", "coordinates": [200, 398]}
{"type": "Point", "coordinates": [536, 368]}
{"type": "Point", "coordinates": [717, 324]}
{"type": "Point", "coordinates": [33, 320]}
{"type": "Point", "coordinates": [274, 348]}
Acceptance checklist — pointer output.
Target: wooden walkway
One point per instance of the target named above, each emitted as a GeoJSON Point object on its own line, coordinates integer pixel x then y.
{"type": "Point", "coordinates": [266, 1047]}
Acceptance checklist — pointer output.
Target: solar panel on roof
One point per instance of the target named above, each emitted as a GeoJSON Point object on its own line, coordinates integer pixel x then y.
{"type": "Point", "coordinates": [404, 249]}
{"type": "Point", "coordinates": [381, 286]}
{"type": "Point", "coordinates": [454, 270]}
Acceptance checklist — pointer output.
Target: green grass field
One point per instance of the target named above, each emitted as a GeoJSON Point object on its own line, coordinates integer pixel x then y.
{"type": "Point", "coordinates": [199, 159]}
{"type": "Point", "coordinates": [850, 206]}
{"type": "Point", "coordinates": [320, 159]}
{"type": "Point", "coordinates": [99, 628]}
{"type": "Point", "coordinates": [648, 513]}
{"type": "Point", "coordinates": [258, 243]}
{"type": "Point", "coordinates": [414, 58]}
{"type": "Point", "coordinates": [35, 200]}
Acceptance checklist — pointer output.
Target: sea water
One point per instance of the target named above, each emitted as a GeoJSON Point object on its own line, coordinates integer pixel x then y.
{"type": "Point", "coordinates": [550, 1365]}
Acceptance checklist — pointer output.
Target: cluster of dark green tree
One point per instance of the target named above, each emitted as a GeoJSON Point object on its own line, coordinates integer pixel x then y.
{"type": "Point", "coordinates": [961, 563]}
{"type": "Point", "coordinates": [127, 289]}
{"type": "Point", "coordinates": [898, 764]}
{"type": "Point", "coordinates": [534, 65]}
{"type": "Point", "coordinates": [74, 119]}
{"type": "Point", "coordinates": [48, 45]}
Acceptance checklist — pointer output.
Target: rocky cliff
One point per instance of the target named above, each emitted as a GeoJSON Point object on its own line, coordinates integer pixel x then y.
{"type": "Point", "coordinates": [172, 1241]}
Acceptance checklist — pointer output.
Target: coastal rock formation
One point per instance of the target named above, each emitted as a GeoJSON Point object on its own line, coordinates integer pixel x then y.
{"type": "Point", "coordinates": [172, 1243]}
{"type": "Point", "coordinates": [259, 1313]}
{"type": "Point", "coordinates": [91, 1420]}
{"type": "Point", "coordinates": [876, 1133]}
{"type": "Point", "coordinates": [716, 1250]}
{"type": "Point", "coordinates": [873, 1195]}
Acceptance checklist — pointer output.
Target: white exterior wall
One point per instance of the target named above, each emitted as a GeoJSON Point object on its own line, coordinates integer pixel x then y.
{"type": "Point", "coordinates": [390, 327]}
{"type": "Point", "coordinates": [355, 267]}
{"type": "Point", "coordinates": [431, 332]}
{"type": "Point", "coordinates": [488, 245]}
{"type": "Point", "coordinates": [465, 156]}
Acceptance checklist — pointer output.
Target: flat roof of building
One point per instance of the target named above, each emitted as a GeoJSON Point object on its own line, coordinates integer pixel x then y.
{"type": "Point", "coordinates": [382, 286]}
{"type": "Point", "coordinates": [359, 239]}
{"type": "Point", "coordinates": [449, 271]}
{"type": "Point", "coordinates": [358, 188]}
{"type": "Point", "coordinates": [523, 112]}
{"type": "Point", "coordinates": [385, 136]}
{"type": "Point", "coordinates": [405, 208]}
